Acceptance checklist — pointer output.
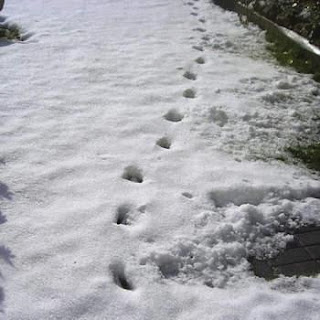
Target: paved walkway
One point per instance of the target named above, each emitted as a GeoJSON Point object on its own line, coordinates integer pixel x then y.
{"type": "Point", "coordinates": [301, 257]}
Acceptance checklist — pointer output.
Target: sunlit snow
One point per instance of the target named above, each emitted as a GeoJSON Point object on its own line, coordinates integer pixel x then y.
{"type": "Point", "coordinates": [139, 171]}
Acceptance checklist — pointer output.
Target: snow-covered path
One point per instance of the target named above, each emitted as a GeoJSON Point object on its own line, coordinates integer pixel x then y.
{"type": "Point", "coordinates": [125, 197]}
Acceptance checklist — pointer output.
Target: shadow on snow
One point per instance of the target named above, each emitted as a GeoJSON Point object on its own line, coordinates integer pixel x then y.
{"type": "Point", "coordinates": [5, 253]}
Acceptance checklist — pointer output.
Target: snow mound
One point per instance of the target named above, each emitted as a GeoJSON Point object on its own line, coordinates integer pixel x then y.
{"type": "Point", "coordinates": [245, 222]}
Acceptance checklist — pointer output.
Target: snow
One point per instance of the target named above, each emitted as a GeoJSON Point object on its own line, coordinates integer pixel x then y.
{"type": "Point", "coordinates": [123, 197]}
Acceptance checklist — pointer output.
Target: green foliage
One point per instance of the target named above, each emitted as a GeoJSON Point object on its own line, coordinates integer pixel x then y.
{"type": "Point", "coordinates": [289, 55]}
{"type": "Point", "coordinates": [10, 32]}
{"type": "Point", "coordinates": [316, 76]}
{"type": "Point", "coordinates": [309, 154]}
{"type": "Point", "coordinates": [301, 16]}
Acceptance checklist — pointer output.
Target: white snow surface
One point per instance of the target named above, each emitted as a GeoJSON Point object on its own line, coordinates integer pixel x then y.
{"type": "Point", "coordinates": [123, 199]}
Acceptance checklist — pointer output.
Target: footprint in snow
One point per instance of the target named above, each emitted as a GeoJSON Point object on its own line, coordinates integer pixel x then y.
{"type": "Point", "coordinates": [164, 143]}
{"type": "Point", "coordinates": [3, 218]}
{"type": "Point", "coordinates": [218, 116]}
{"type": "Point", "coordinates": [190, 75]}
{"type": "Point", "coordinates": [189, 93]}
{"type": "Point", "coordinates": [194, 14]}
{"type": "Point", "coordinates": [133, 173]}
{"type": "Point", "coordinates": [200, 29]}
{"type": "Point", "coordinates": [190, 3]}
{"type": "Point", "coordinates": [202, 20]}
{"type": "Point", "coordinates": [205, 37]}
{"type": "Point", "coordinates": [127, 214]}
{"type": "Point", "coordinates": [173, 115]}
{"type": "Point", "coordinates": [123, 214]}
{"type": "Point", "coordinates": [118, 274]}
{"type": "Point", "coordinates": [142, 208]}
{"type": "Point", "coordinates": [198, 48]}
{"type": "Point", "coordinates": [187, 195]}
{"type": "Point", "coordinates": [200, 60]}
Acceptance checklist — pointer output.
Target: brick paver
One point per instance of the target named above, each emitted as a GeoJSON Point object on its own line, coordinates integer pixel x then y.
{"type": "Point", "coordinates": [301, 256]}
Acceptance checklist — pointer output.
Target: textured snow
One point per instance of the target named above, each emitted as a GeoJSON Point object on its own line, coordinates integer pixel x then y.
{"type": "Point", "coordinates": [132, 191]}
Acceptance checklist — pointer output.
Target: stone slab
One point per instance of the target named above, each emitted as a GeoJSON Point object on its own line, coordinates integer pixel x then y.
{"type": "Point", "coordinates": [309, 238]}
{"type": "Point", "coordinates": [314, 251]}
{"type": "Point", "coordinates": [293, 244]}
{"type": "Point", "coordinates": [308, 228]}
{"type": "Point", "coordinates": [291, 256]}
{"type": "Point", "coordinates": [261, 268]}
{"type": "Point", "coordinates": [306, 268]}
{"type": "Point", "coordinates": [301, 256]}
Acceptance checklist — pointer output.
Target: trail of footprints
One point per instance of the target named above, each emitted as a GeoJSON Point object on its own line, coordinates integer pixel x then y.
{"type": "Point", "coordinates": [125, 213]}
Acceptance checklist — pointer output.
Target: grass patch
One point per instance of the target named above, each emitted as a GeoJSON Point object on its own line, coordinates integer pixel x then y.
{"type": "Point", "coordinates": [10, 32]}
{"type": "Point", "coordinates": [309, 155]}
{"type": "Point", "coordinates": [290, 55]}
